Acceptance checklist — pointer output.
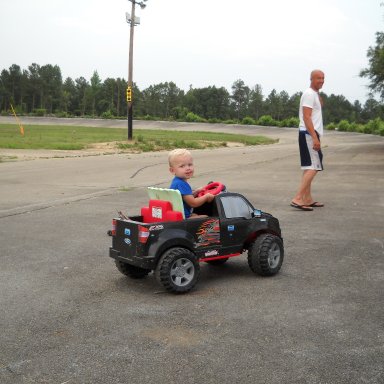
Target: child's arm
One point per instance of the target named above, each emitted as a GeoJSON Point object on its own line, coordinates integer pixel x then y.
{"type": "Point", "coordinates": [195, 202]}
{"type": "Point", "coordinates": [196, 191]}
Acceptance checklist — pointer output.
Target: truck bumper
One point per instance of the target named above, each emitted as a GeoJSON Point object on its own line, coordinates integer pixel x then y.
{"type": "Point", "coordinates": [114, 253]}
{"type": "Point", "coordinates": [146, 262]}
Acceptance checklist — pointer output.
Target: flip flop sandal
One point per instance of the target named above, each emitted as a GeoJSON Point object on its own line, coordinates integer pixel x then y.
{"type": "Point", "coordinates": [301, 207]}
{"type": "Point", "coordinates": [316, 204]}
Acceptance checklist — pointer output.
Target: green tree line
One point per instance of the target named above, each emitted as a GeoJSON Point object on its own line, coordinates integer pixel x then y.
{"type": "Point", "coordinates": [40, 90]}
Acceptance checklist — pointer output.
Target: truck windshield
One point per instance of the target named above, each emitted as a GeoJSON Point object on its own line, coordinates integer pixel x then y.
{"type": "Point", "coordinates": [235, 206]}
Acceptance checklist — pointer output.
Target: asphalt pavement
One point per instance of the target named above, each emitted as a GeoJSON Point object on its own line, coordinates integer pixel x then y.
{"type": "Point", "coordinates": [69, 316]}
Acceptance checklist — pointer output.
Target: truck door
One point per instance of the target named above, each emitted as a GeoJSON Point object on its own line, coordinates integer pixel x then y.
{"type": "Point", "coordinates": [235, 222]}
{"type": "Point", "coordinates": [207, 234]}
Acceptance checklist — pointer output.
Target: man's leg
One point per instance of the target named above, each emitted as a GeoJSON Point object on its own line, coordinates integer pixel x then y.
{"type": "Point", "coordinates": [303, 195]}
{"type": "Point", "coordinates": [307, 196]}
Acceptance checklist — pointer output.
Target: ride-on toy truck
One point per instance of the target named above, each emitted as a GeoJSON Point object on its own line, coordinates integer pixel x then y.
{"type": "Point", "coordinates": [163, 241]}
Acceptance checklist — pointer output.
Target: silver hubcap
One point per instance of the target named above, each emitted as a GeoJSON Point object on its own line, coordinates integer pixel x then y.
{"type": "Point", "coordinates": [274, 256]}
{"type": "Point", "coordinates": [182, 272]}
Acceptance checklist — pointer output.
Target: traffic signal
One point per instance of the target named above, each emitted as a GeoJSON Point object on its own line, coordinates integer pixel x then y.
{"type": "Point", "coordinates": [129, 94]}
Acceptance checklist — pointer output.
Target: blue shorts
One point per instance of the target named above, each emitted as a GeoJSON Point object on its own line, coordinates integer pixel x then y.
{"type": "Point", "coordinates": [309, 158]}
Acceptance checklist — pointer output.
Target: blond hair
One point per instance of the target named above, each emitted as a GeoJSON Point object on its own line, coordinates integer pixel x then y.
{"type": "Point", "coordinates": [178, 152]}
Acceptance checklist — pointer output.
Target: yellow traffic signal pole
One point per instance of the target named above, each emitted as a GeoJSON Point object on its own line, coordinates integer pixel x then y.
{"type": "Point", "coordinates": [130, 74]}
{"type": "Point", "coordinates": [131, 19]}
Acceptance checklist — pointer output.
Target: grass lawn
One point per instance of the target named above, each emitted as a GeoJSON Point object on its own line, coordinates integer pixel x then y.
{"type": "Point", "coordinates": [77, 138]}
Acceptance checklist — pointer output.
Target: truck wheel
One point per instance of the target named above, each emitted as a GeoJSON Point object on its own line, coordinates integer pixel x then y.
{"type": "Point", "coordinates": [217, 261]}
{"type": "Point", "coordinates": [266, 254]}
{"type": "Point", "coordinates": [178, 270]}
{"type": "Point", "coordinates": [131, 270]}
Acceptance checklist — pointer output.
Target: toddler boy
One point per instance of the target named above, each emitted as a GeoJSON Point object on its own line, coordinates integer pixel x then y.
{"type": "Point", "coordinates": [181, 166]}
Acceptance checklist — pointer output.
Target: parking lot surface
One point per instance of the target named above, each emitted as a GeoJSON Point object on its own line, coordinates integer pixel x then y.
{"type": "Point", "coordinates": [68, 315]}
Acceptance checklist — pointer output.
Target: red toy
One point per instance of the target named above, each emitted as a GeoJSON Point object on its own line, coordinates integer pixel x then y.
{"type": "Point", "coordinates": [213, 188]}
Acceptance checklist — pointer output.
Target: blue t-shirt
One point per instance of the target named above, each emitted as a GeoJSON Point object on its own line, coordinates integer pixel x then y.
{"type": "Point", "coordinates": [185, 189]}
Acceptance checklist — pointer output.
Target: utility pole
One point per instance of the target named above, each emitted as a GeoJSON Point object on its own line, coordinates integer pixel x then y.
{"type": "Point", "coordinates": [132, 20]}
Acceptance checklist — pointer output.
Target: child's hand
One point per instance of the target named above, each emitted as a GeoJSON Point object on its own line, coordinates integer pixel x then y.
{"type": "Point", "coordinates": [197, 191]}
{"type": "Point", "coordinates": [209, 197]}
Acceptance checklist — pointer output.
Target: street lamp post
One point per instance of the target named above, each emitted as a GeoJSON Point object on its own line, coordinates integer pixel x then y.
{"type": "Point", "coordinates": [132, 20]}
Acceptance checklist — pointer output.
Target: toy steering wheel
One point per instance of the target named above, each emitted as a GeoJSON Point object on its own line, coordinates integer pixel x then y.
{"type": "Point", "coordinates": [213, 188]}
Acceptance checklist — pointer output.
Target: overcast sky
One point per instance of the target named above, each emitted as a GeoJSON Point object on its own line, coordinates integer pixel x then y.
{"type": "Point", "coordinates": [274, 43]}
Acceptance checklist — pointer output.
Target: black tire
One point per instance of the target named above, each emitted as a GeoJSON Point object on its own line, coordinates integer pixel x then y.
{"type": "Point", "coordinates": [178, 270]}
{"type": "Point", "coordinates": [217, 261]}
{"type": "Point", "coordinates": [266, 254]}
{"type": "Point", "coordinates": [131, 270]}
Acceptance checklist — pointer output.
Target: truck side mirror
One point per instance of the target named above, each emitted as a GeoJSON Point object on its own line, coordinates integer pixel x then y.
{"type": "Point", "coordinates": [256, 213]}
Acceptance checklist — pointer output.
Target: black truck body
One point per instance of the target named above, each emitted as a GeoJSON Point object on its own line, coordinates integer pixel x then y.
{"type": "Point", "coordinates": [231, 226]}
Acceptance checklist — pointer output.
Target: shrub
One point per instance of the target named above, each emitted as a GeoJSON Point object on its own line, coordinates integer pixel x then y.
{"type": "Point", "coordinates": [292, 122]}
{"type": "Point", "coordinates": [107, 115]}
{"type": "Point", "coordinates": [40, 112]}
{"type": "Point", "coordinates": [179, 113]}
{"type": "Point", "coordinates": [367, 128]}
{"type": "Point", "coordinates": [343, 125]}
{"type": "Point", "coordinates": [267, 120]}
{"type": "Point", "coordinates": [62, 114]}
{"type": "Point", "coordinates": [148, 117]}
{"type": "Point", "coordinates": [374, 126]}
{"type": "Point", "coordinates": [353, 127]}
{"type": "Point", "coordinates": [248, 121]}
{"type": "Point", "coordinates": [193, 118]}
{"type": "Point", "coordinates": [230, 122]}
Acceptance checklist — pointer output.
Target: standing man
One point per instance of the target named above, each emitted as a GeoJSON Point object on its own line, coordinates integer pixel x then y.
{"type": "Point", "coordinates": [310, 131]}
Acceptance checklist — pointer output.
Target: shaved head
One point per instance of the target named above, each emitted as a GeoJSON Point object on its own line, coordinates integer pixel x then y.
{"type": "Point", "coordinates": [316, 72]}
{"type": "Point", "coordinates": [317, 79]}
